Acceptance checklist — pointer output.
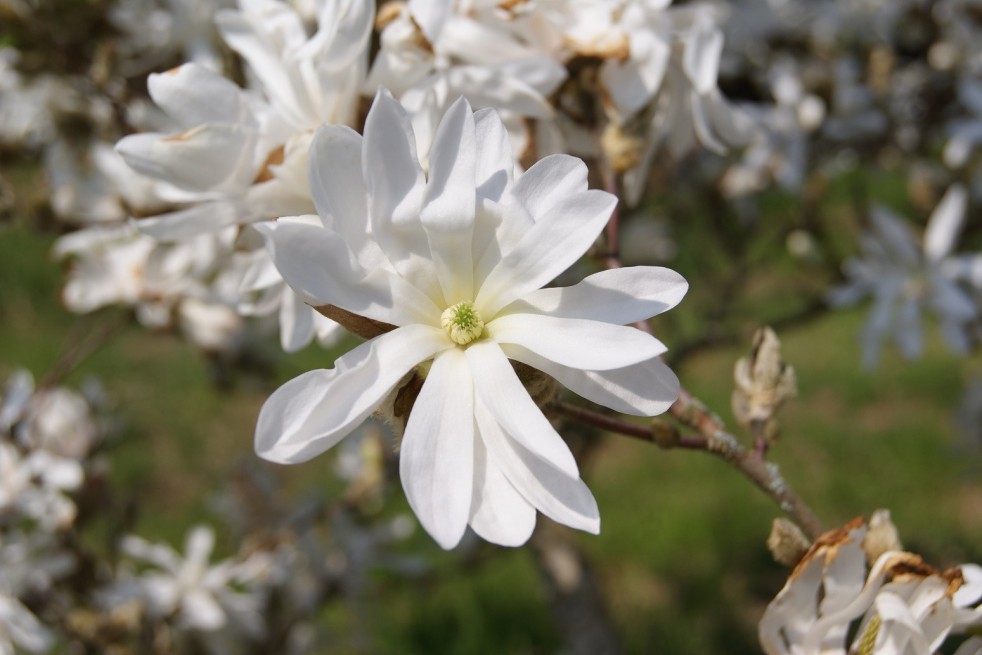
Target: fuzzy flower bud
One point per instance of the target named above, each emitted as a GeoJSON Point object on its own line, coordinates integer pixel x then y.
{"type": "Point", "coordinates": [764, 381]}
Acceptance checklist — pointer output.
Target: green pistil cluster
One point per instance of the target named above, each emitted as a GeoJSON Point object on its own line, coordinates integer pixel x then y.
{"type": "Point", "coordinates": [462, 323]}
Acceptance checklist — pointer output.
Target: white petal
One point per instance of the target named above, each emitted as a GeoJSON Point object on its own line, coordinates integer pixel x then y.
{"type": "Point", "coordinates": [578, 343]}
{"type": "Point", "coordinates": [194, 221]}
{"type": "Point", "coordinates": [703, 49]}
{"type": "Point", "coordinates": [337, 185]}
{"type": "Point", "coordinates": [499, 513]}
{"type": "Point", "coordinates": [645, 389]}
{"type": "Point", "coordinates": [296, 322]}
{"type": "Point", "coordinates": [563, 498]}
{"type": "Point", "coordinates": [198, 546]}
{"type": "Point", "coordinates": [449, 201]}
{"type": "Point", "coordinates": [205, 158]}
{"type": "Point", "coordinates": [436, 457]}
{"type": "Point", "coordinates": [317, 263]}
{"type": "Point", "coordinates": [200, 610]}
{"type": "Point", "coordinates": [946, 223]}
{"type": "Point", "coordinates": [430, 15]}
{"type": "Point", "coordinates": [192, 94]}
{"type": "Point", "coordinates": [619, 295]}
{"type": "Point", "coordinates": [550, 246]}
{"type": "Point", "coordinates": [548, 181]}
{"type": "Point", "coordinates": [395, 185]}
{"type": "Point", "coordinates": [500, 390]}
{"type": "Point", "coordinates": [314, 411]}
{"type": "Point", "coordinates": [495, 161]}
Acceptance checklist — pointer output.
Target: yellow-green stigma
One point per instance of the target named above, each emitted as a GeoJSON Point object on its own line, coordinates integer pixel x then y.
{"type": "Point", "coordinates": [462, 323]}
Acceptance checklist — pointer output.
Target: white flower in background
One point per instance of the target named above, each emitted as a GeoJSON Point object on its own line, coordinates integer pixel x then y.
{"type": "Point", "coordinates": [240, 155]}
{"type": "Point", "coordinates": [896, 605]}
{"type": "Point", "coordinates": [154, 34]}
{"type": "Point", "coordinates": [195, 594]}
{"type": "Point", "coordinates": [29, 563]}
{"type": "Point", "coordinates": [689, 109]}
{"type": "Point", "coordinates": [35, 486]}
{"type": "Point", "coordinates": [456, 260]}
{"type": "Point", "coordinates": [57, 420]}
{"type": "Point", "coordinates": [266, 293]}
{"type": "Point", "coordinates": [433, 52]}
{"type": "Point", "coordinates": [905, 279]}
{"type": "Point", "coordinates": [194, 283]}
{"type": "Point", "coordinates": [779, 150]}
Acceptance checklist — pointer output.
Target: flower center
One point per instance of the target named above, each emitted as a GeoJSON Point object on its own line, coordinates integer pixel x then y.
{"type": "Point", "coordinates": [462, 323]}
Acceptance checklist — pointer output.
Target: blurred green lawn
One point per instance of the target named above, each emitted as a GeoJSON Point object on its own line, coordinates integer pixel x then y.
{"type": "Point", "coordinates": [681, 555]}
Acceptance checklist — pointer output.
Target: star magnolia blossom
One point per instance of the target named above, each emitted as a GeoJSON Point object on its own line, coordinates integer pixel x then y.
{"type": "Point", "coordinates": [455, 260]}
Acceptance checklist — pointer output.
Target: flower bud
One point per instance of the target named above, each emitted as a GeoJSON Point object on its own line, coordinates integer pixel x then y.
{"type": "Point", "coordinates": [787, 543]}
{"type": "Point", "coordinates": [764, 381]}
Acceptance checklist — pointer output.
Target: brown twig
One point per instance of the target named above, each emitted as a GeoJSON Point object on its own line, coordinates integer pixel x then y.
{"type": "Point", "coordinates": [712, 436]}
{"type": "Point", "coordinates": [79, 348]}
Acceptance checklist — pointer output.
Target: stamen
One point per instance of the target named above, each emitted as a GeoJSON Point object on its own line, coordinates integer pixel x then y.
{"type": "Point", "coordinates": [462, 323]}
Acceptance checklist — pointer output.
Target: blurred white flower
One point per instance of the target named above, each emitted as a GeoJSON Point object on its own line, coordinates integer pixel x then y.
{"type": "Point", "coordinates": [189, 590]}
{"type": "Point", "coordinates": [35, 486]}
{"type": "Point", "coordinates": [240, 155]}
{"type": "Point", "coordinates": [20, 630]}
{"type": "Point", "coordinates": [905, 279]}
{"type": "Point", "coordinates": [433, 52]}
{"type": "Point", "coordinates": [456, 260]}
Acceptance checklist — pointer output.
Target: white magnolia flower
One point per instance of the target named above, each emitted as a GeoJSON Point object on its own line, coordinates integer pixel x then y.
{"type": "Point", "coordinates": [435, 51]}
{"type": "Point", "coordinates": [900, 605]}
{"type": "Point", "coordinates": [905, 279]}
{"type": "Point", "coordinates": [239, 155]}
{"type": "Point", "coordinates": [455, 260]}
{"type": "Point", "coordinates": [198, 595]}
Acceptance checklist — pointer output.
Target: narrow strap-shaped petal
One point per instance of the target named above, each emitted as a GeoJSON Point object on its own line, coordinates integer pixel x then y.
{"type": "Point", "coordinates": [549, 247]}
{"type": "Point", "coordinates": [644, 389]}
{"type": "Point", "coordinates": [495, 162]}
{"type": "Point", "coordinates": [317, 263]}
{"type": "Point", "coordinates": [563, 498]}
{"type": "Point", "coordinates": [337, 185]}
{"type": "Point", "coordinates": [436, 457]}
{"type": "Point", "coordinates": [183, 224]}
{"type": "Point", "coordinates": [296, 321]}
{"type": "Point", "coordinates": [575, 342]}
{"type": "Point", "coordinates": [499, 513]}
{"type": "Point", "coordinates": [395, 184]}
{"type": "Point", "coordinates": [946, 223]}
{"type": "Point", "coordinates": [449, 201]}
{"type": "Point", "coordinates": [619, 295]}
{"type": "Point", "coordinates": [314, 411]}
{"type": "Point", "coordinates": [548, 181]}
{"type": "Point", "coordinates": [499, 388]}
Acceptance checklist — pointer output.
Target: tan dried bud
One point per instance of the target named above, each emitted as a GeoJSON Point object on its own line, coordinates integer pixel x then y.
{"type": "Point", "coordinates": [882, 535]}
{"type": "Point", "coordinates": [764, 382]}
{"type": "Point", "coordinates": [787, 543]}
{"type": "Point", "coordinates": [622, 149]}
